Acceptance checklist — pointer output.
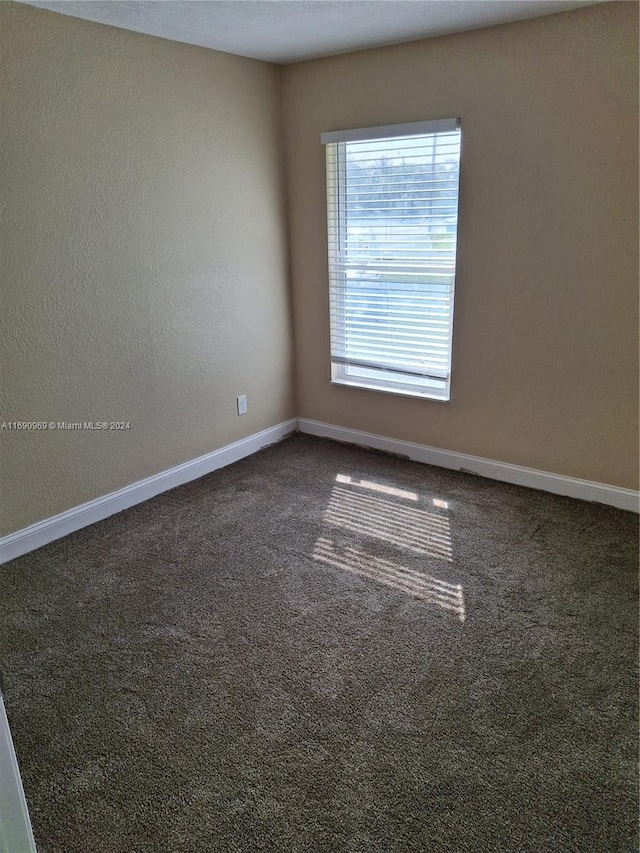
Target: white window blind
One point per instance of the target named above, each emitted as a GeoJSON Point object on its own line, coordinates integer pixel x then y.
{"type": "Point", "coordinates": [392, 197]}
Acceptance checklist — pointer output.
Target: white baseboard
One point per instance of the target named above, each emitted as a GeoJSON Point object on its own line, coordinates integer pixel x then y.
{"type": "Point", "coordinates": [557, 484]}
{"type": "Point", "coordinates": [43, 532]}
{"type": "Point", "coordinates": [50, 529]}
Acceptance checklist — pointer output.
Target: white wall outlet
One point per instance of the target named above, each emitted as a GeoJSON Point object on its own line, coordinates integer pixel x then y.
{"type": "Point", "coordinates": [242, 404]}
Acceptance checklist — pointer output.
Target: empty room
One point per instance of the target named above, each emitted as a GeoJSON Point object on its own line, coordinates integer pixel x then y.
{"type": "Point", "coordinates": [319, 426]}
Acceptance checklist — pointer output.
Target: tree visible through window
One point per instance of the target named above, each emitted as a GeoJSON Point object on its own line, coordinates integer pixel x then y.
{"type": "Point", "coordinates": [392, 196]}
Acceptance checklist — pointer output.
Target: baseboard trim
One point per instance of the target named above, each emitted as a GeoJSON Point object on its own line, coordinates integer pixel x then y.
{"type": "Point", "coordinates": [557, 484]}
{"type": "Point", "coordinates": [46, 531]}
{"type": "Point", "coordinates": [50, 529]}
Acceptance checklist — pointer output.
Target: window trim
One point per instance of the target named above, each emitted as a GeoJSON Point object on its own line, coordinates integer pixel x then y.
{"type": "Point", "coordinates": [399, 388]}
{"type": "Point", "coordinates": [391, 131]}
{"type": "Point", "coordinates": [340, 371]}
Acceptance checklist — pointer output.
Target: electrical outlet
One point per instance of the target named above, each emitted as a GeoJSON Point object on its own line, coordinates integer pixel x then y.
{"type": "Point", "coordinates": [242, 404]}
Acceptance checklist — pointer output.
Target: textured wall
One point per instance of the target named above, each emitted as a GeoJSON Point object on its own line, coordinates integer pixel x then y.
{"type": "Point", "coordinates": [545, 355]}
{"type": "Point", "coordinates": [144, 265]}
{"type": "Point", "coordinates": [143, 257]}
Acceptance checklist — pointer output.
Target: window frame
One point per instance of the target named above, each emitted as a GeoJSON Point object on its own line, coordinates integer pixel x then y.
{"type": "Point", "coordinates": [346, 373]}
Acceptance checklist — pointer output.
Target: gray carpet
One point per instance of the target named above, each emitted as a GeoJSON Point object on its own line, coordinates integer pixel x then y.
{"type": "Point", "coordinates": [323, 648]}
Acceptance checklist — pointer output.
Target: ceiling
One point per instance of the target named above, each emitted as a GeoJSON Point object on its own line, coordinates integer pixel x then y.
{"type": "Point", "coordinates": [285, 31]}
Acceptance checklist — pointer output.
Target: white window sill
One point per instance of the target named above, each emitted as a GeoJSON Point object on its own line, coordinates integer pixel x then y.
{"type": "Point", "coordinates": [389, 389]}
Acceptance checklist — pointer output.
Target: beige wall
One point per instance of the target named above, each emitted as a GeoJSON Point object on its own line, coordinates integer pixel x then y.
{"type": "Point", "coordinates": [143, 247]}
{"type": "Point", "coordinates": [144, 264]}
{"type": "Point", "coordinates": [545, 354]}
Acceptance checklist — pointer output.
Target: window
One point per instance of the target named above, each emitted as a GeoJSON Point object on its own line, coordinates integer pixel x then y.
{"type": "Point", "coordinates": [392, 210]}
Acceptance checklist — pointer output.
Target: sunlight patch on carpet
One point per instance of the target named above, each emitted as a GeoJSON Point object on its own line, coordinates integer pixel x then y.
{"type": "Point", "coordinates": [423, 586]}
{"type": "Point", "coordinates": [403, 526]}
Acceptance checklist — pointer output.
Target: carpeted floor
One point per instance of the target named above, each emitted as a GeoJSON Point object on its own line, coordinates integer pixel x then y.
{"type": "Point", "coordinates": [322, 648]}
